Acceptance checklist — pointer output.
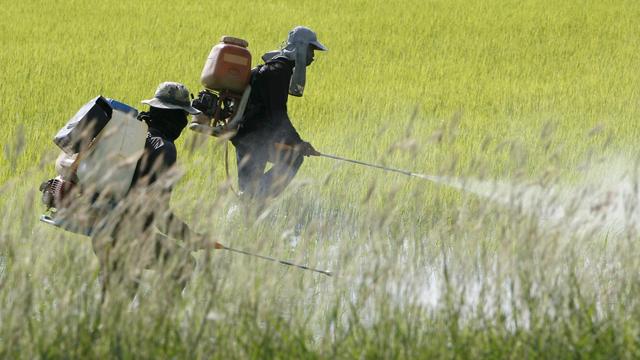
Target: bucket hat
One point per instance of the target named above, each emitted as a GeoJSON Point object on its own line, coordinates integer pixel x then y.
{"type": "Point", "coordinates": [172, 95]}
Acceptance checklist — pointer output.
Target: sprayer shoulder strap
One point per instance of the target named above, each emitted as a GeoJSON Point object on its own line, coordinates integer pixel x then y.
{"type": "Point", "coordinates": [254, 73]}
{"type": "Point", "coordinates": [254, 101]}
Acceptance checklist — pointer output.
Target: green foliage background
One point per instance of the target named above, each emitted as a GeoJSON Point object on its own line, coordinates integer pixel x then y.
{"type": "Point", "coordinates": [527, 90]}
{"type": "Point", "coordinates": [508, 66]}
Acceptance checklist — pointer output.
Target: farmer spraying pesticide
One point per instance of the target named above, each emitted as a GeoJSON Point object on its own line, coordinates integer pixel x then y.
{"type": "Point", "coordinates": [249, 106]}
{"type": "Point", "coordinates": [151, 188]}
{"type": "Point", "coordinates": [115, 183]}
{"type": "Point", "coordinates": [116, 174]}
{"type": "Point", "coordinates": [265, 122]}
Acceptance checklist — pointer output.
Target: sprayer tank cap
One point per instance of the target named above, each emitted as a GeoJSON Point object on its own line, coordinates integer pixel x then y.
{"type": "Point", "coordinates": [234, 41]}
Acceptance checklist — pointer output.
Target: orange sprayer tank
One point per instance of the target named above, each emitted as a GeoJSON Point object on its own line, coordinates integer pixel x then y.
{"type": "Point", "coordinates": [228, 66]}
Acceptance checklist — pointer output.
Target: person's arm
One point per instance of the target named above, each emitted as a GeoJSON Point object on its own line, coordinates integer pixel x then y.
{"type": "Point", "coordinates": [165, 220]}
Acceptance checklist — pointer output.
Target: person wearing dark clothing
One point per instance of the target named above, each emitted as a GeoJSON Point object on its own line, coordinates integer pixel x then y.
{"type": "Point", "coordinates": [267, 123]}
{"type": "Point", "coordinates": [160, 152]}
{"type": "Point", "coordinates": [133, 241]}
{"type": "Point", "coordinates": [266, 134]}
{"type": "Point", "coordinates": [266, 120]}
{"type": "Point", "coordinates": [158, 159]}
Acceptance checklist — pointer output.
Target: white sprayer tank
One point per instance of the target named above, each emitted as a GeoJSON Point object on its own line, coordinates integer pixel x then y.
{"type": "Point", "coordinates": [110, 163]}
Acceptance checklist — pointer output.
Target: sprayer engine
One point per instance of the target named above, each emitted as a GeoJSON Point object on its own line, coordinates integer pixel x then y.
{"type": "Point", "coordinates": [225, 76]}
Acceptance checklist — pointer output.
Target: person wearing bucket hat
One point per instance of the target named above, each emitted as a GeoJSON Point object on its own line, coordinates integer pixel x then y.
{"type": "Point", "coordinates": [146, 215]}
{"type": "Point", "coordinates": [166, 118]}
{"type": "Point", "coordinates": [266, 126]}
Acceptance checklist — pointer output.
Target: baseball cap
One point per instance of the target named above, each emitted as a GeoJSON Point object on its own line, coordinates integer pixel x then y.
{"type": "Point", "coordinates": [302, 34]}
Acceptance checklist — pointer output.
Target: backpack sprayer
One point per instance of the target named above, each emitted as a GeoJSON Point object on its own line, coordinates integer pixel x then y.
{"type": "Point", "coordinates": [225, 76]}
{"type": "Point", "coordinates": [100, 146]}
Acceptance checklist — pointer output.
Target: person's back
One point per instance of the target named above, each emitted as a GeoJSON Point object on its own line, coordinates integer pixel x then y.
{"type": "Point", "coordinates": [266, 119]}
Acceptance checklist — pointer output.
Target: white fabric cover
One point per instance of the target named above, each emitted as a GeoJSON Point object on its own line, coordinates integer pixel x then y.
{"type": "Point", "coordinates": [109, 164]}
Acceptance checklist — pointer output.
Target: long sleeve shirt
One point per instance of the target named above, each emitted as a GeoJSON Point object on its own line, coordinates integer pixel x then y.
{"type": "Point", "coordinates": [158, 159]}
{"type": "Point", "coordinates": [266, 120]}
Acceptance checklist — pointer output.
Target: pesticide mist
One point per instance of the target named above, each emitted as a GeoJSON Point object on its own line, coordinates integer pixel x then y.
{"type": "Point", "coordinates": [605, 200]}
{"type": "Point", "coordinates": [586, 219]}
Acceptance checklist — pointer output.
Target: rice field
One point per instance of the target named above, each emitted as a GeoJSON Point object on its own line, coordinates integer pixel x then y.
{"type": "Point", "coordinates": [524, 112]}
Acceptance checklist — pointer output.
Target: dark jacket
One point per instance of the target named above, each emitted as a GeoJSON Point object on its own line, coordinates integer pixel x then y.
{"type": "Point", "coordinates": [266, 120]}
{"type": "Point", "coordinates": [158, 157]}
{"type": "Point", "coordinates": [152, 207]}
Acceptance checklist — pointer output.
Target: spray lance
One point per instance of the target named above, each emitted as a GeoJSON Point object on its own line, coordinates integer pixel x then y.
{"type": "Point", "coordinates": [285, 147]}
{"type": "Point", "coordinates": [219, 246]}
{"type": "Point", "coordinates": [216, 245]}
